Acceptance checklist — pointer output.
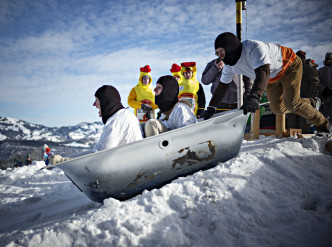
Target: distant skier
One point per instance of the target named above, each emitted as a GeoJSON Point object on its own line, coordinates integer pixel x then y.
{"type": "Point", "coordinates": [120, 125]}
{"type": "Point", "coordinates": [46, 154]}
{"type": "Point", "coordinates": [275, 69]}
{"type": "Point", "coordinates": [28, 160]}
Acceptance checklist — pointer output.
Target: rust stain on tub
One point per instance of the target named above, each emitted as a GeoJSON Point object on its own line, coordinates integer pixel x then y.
{"type": "Point", "coordinates": [199, 153]}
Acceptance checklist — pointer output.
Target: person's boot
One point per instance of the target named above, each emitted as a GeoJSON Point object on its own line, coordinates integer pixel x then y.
{"type": "Point", "coordinates": [325, 129]}
{"type": "Point", "coordinates": [316, 103]}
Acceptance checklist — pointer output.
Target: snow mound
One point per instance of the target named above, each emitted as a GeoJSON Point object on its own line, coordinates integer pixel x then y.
{"type": "Point", "coordinates": [277, 192]}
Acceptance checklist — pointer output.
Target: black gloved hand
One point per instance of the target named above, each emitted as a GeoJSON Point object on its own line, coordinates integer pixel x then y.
{"type": "Point", "coordinates": [210, 110]}
{"type": "Point", "coordinates": [251, 104]}
{"type": "Point", "coordinates": [146, 108]}
{"type": "Point", "coordinates": [245, 95]}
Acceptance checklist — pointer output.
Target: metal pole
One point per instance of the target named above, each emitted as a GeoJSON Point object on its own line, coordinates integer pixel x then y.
{"type": "Point", "coordinates": [239, 19]}
{"type": "Point", "coordinates": [239, 4]}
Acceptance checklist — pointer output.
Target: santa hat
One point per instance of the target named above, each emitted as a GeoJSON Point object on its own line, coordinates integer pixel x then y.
{"type": "Point", "coordinates": [175, 68]}
{"type": "Point", "coordinates": [146, 69]}
{"type": "Point", "coordinates": [45, 147]}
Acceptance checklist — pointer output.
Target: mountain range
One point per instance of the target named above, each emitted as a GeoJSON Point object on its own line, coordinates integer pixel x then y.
{"type": "Point", "coordinates": [19, 138]}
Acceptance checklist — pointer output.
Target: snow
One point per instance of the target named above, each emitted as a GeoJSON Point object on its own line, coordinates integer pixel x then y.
{"type": "Point", "coordinates": [87, 133]}
{"type": "Point", "coordinates": [277, 192]}
{"type": "Point", "coordinates": [2, 137]}
{"type": "Point", "coordinates": [76, 144]}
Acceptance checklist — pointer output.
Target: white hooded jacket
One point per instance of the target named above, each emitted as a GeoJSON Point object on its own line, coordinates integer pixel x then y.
{"type": "Point", "coordinates": [181, 115]}
{"type": "Point", "coordinates": [121, 128]}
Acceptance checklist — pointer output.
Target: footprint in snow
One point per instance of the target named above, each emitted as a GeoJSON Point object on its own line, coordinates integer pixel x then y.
{"type": "Point", "coordinates": [310, 203]}
{"type": "Point", "coordinates": [33, 218]}
{"type": "Point", "coordinates": [31, 200]}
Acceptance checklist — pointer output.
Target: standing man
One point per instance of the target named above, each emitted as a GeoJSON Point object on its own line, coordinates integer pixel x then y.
{"type": "Point", "coordinates": [275, 69]}
{"type": "Point", "coordinates": [190, 89]}
{"type": "Point", "coordinates": [141, 97]}
{"type": "Point", "coordinates": [212, 74]}
{"type": "Point", "coordinates": [325, 77]}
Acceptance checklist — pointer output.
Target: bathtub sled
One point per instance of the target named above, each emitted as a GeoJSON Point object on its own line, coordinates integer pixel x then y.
{"type": "Point", "coordinates": [126, 171]}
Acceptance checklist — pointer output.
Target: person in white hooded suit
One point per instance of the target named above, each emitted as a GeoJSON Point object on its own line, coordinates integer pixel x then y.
{"type": "Point", "coordinates": [120, 125]}
{"type": "Point", "coordinates": [174, 113]}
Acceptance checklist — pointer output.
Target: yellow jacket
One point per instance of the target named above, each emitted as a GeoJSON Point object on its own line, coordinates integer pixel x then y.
{"type": "Point", "coordinates": [142, 94]}
{"type": "Point", "coordinates": [191, 90]}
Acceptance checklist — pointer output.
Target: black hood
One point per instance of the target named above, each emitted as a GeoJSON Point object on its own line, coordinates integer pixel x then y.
{"type": "Point", "coordinates": [110, 101]}
{"type": "Point", "coordinates": [232, 46]}
{"type": "Point", "coordinates": [169, 95]}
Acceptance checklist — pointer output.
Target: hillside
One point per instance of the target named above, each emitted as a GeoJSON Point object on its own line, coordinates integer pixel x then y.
{"type": "Point", "coordinates": [19, 138]}
{"type": "Point", "coordinates": [277, 192]}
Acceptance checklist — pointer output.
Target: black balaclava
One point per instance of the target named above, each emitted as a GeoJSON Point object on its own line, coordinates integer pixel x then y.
{"type": "Point", "coordinates": [110, 101]}
{"type": "Point", "coordinates": [169, 95]}
{"type": "Point", "coordinates": [328, 56]}
{"type": "Point", "coordinates": [232, 46]}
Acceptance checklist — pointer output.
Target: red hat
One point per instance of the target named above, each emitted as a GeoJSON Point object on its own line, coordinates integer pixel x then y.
{"type": "Point", "coordinates": [146, 68]}
{"type": "Point", "coordinates": [188, 64]}
{"type": "Point", "coordinates": [175, 68]}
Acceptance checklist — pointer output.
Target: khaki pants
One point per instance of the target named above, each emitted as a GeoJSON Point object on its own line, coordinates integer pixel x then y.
{"type": "Point", "coordinates": [154, 127]}
{"type": "Point", "coordinates": [284, 96]}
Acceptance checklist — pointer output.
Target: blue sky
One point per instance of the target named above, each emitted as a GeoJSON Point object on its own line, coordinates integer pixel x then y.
{"type": "Point", "coordinates": [54, 54]}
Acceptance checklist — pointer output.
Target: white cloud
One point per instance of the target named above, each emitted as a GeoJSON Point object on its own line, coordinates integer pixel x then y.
{"type": "Point", "coordinates": [67, 51]}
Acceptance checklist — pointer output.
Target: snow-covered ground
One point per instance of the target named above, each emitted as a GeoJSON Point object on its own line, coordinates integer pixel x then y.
{"type": "Point", "coordinates": [277, 192]}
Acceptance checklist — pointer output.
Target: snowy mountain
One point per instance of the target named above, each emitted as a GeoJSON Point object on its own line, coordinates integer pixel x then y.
{"type": "Point", "coordinates": [13, 129]}
{"type": "Point", "coordinates": [19, 138]}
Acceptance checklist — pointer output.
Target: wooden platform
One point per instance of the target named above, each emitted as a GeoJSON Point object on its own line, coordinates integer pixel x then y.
{"type": "Point", "coordinates": [279, 132]}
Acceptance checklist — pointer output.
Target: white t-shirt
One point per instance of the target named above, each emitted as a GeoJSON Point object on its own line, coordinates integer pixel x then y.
{"type": "Point", "coordinates": [254, 54]}
{"type": "Point", "coordinates": [182, 115]}
{"type": "Point", "coordinates": [121, 128]}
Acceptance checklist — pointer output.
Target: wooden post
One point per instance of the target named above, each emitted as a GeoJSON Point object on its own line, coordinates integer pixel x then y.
{"type": "Point", "coordinates": [328, 146]}
{"type": "Point", "coordinates": [255, 125]}
{"type": "Point", "coordinates": [280, 125]}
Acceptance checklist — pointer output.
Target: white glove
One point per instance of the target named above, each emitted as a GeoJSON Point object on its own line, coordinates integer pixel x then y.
{"type": "Point", "coordinates": [56, 159]}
